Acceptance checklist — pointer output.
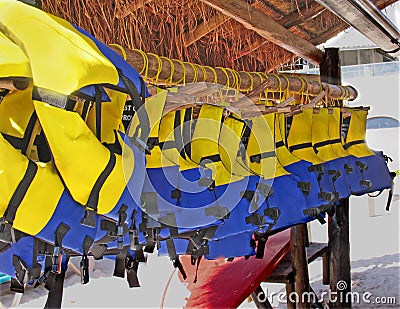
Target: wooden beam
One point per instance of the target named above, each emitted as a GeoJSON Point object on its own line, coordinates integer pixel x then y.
{"type": "Point", "coordinates": [123, 11]}
{"type": "Point", "coordinates": [294, 18]}
{"type": "Point", "coordinates": [338, 223]}
{"type": "Point", "coordinates": [184, 72]}
{"type": "Point", "coordinates": [288, 21]}
{"type": "Point", "coordinates": [204, 28]}
{"type": "Point", "coordinates": [300, 265]}
{"type": "Point", "coordinates": [255, 20]}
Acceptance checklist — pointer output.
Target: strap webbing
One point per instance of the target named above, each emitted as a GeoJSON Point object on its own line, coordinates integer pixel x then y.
{"type": "Point", "coordinates": [211, 158]}
{"type": "Point", "coordinates": [137, 103]}
{"type": "Point", "coordinates": [300, 146]}
{"type": "Point", "coordinates": [54, 298]}
{"type": "Point", "coordinates": [98, 99]}
{"type": "Point", "coordinates": [258, 157]}
{"type": "Point", "coordinates": [187, 132]}
{"type": "Point", "coordinates": [20, 192]}
{"type": "Point", "coordinates": [349, 144]}
{"type": "Point", "coordinates": [279, 144]}
{"type": "Point", "coordinates": [93, 199]}
{"type": "Point", "coordinates": [178, 134]}
{"type": "Point", "coordinates": [326, 143]}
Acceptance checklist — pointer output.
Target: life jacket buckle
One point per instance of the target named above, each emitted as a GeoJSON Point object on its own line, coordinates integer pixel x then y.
{"type": "Point", "coordinates": [361, 166]}
{"type": "Point", "coordinates": [176, 194]}
{"type": "Point", "coordinates": [256, 219]}
{"type": "Point", "coordinates": [57, 260]}
{"type": "Point", "coordinates": [265, 189]}
{"type": "Point", "coordinates": [274, 213]}
{"type": "Point", "coordinates": [318, 168]}
{"type": "Point", "coordinates": [120, 236]}
{"type": "Point", "coordinates": [219, 212]}
{"type": "Point", "coordinates": [335, 174]}
{"type": "Point", "coordinates": [366, 183]}
{"type": "Point", "coordinates": [134, 237]}
{"type": "Point", "coordinates": [349, 169]}
{"type": "Point", "coordinates": [7, 233]}
{"type": "Point", "coordinates": [89, 218]}
{"type": "Point", "coordinates": [328, 196]}
{"type": "Point", "coordinates": [304, 186]}
{"type": "Point", "coordinates": [207, 182]}
{"type": "Point", "coordinates": [84, 266]}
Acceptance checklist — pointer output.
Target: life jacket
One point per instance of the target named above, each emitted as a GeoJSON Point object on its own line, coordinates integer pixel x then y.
{"type": "Point", "coordinates": [372, 164]}
{"type": "Point", "coordinates": [13, 63]}
{"type": "Point", "coordinates": [321, 145]}
{"type": "Point", "coordinates": [298, 134]}
{"type": "Point", "coordinates": [353, 173]}
{"type": "Point", "coordinates": [317, 200]}
{"type": "Point", "coordinates": [75, 62]}
{"type": "Point", "coordinates": [284, 186]}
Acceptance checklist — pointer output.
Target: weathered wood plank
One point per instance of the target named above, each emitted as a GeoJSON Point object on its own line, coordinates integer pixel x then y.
{"type": "Point", "coordinates": [255, 20]}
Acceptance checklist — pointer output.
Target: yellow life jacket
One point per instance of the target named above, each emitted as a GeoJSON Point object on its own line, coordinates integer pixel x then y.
{"type": "Point", "coordinates": [354, 141]}
{"type": "Point", "coordinates": [30, 191]}
{"type": "Point", "coordinates": [321, 140]}
{"type": "Point", "coordinates": [334, 127]}
{"type": "Point", "coordinates": [299, 138]}
{"type": "Point", "coordinates": [93, 175]}
{"type": "Point", "coordinates": [284, 156]}
{"type": "Point", "coordinates": [69, 61]}
{"type": "Point", "coordinates": [13, 62]}
{"type": "Point", "coordinates": [204, 145]}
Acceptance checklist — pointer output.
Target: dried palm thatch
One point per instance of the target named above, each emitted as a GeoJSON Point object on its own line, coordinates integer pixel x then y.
{"type": "Point", "coordinates": [191, 31]}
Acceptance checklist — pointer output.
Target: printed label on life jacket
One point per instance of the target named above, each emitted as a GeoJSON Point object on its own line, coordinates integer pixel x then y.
{"type": "Point", "coordinates": [129, 111]}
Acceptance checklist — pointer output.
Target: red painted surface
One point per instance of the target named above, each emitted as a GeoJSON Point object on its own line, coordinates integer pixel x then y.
{"type": "Point", "coordinates": [222, 284]}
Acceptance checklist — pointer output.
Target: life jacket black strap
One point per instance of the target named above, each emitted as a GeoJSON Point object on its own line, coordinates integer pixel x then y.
{"type": "Point", "coordinates": [91, 205]}
{"type": "Point", "coordinates": [98, 100]}
{"type": "Point", "coordinates": [218, 212]}
{"type": "Point", "coordinates": [187, 132]}
{"type": "Point", "coordinates": [208, 159]}
{"type": "Point", "coordinates": [54, 297]}
{"type": "Point", "coordinates": [84, 264]}
{"type": "Point", "coordinates": [178, 134]}
{"type": "Point", "coordinates": [167, 145]}
{"type": "Point", "coordinates": [300, 146]}
{"type": "Point", "coordinates": [352, 143]}
{"type": "Point", "coordinates": [279, 144]}
{"type": "Point", "coordinates": [6, 230]}
{"type": "Point", "coordinates": [258, 157]}
{"type": "Point", "coordinates": [325, 143]}
{"type": "Point", "coordinates": [138, 102]}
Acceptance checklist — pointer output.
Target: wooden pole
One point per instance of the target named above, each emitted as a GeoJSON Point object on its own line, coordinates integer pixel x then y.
{"type": "Point", "coordinates": [161, 70]}
{"type": "Point", "coordinates": [265, 26]}
{"type": "Point", "coordinates": [338, 224]}
{"type": "Point", "coordinates": [300, 266]}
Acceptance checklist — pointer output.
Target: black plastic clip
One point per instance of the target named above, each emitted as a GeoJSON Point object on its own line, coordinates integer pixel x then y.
{"type": "Point", "coordinates": [349, 169]}
{"type": "Point", "coordinates": [304, 186]}
{"type": "Point", "coordinates": [89, 218]}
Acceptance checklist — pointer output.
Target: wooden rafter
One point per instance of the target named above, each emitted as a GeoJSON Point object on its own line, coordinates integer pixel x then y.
{"type": "Point", "coordinates": [122, 12]}
{"type": "Point", "coordinates": [257, 21]}
{"type": "Point", "coordinates": [288, 21]}
{"type": "Point", "coordinates": [204, 28]}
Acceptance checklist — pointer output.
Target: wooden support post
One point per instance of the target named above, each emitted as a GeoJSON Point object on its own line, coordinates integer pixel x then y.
{"type": "Point", "coordinates": [338, 224]}
{"type": "Point", "coordinates": [300, 265]}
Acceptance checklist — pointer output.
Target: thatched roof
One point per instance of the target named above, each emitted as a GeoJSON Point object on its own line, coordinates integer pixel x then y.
{"type": "Point", "coordinates": [193, 31]}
